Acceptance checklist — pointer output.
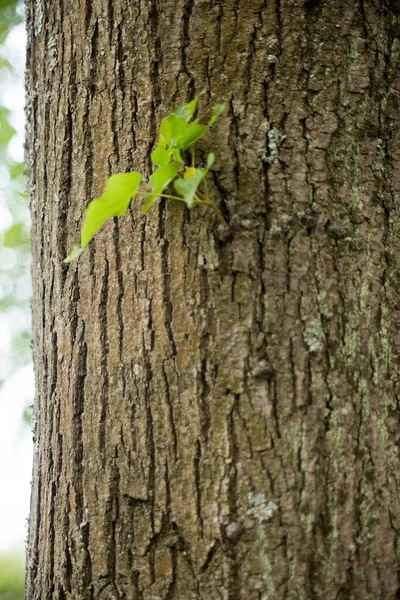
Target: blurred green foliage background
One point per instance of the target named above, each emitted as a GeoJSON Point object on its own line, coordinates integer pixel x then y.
{"type": "Point", "coordinates": [11, 577]}
{"type": "Point", "coordinates": [14, 250]}
{"type": "Point", "coordinates": [14, 215]}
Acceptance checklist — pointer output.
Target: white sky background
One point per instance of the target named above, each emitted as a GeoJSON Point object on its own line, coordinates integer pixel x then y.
{"type": "Point", "coordinates": [17, 392]}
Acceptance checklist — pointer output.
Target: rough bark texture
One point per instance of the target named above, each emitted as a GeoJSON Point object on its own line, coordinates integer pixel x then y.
{"type": "Point", "coordinates": [217, 412]}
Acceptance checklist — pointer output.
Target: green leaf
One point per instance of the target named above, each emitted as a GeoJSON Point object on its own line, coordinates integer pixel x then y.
{"type": "Point", "coordinates": [114, 201]}
{"type": "Point", "coordinates": [160, 156]}
{"type": "Point", "coordinates": [185, 111]}
{"type": "Point", "coordinates": [176, 155]}
{"type": "Point", "coordinates": [177, 134]}
{"type": "Point", "coordinates": [193, 133]}
{"type": "Point", "coordinates": [210, 161]}
{"type": "Point", "coordinates": [76, 251]}
{"type": "Point", "coordinates": [6, 3]}
{"type": "Point", "coordinates": [27, 415]}
{"type": "Point", "coordinates": [171, 128]}
{"type": "Point", "coordinates": [217, 111]}
{"type": "Point", "coordinates": [16, 170]}
{"type": "Point", "coordinates": [187, 188]}
{"type": "Point", "coordinates": [6, 130]}
{"type": "Point", "coordinates": [16, 235]}
{"type": "Point", "coordinates": [12, 576]}
{"type": "Point", "coordinates": [162, 176]}
{"type": "Point", "coordinates": [158, 182]}
{"type": "Point", "coordinates": [4, 63]}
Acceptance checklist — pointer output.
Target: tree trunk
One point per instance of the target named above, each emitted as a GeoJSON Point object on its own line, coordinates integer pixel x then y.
{"type": "Point", "coordinates": [217, 410]}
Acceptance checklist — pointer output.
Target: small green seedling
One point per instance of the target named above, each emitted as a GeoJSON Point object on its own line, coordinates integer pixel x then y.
{"type": "Point", "coordinates": [179, 132]}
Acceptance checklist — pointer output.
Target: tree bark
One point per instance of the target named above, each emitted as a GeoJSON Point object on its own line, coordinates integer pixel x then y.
{"type": "Point", "coordinates": [217, 410]}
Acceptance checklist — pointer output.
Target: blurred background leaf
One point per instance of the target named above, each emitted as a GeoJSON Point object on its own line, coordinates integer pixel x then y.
{"type": "Point", "coordinates": [16, 388]}
{"type": "Point", "coordinates": [12, 577]}
{"type": "Point", "coordinates": [15, 286]}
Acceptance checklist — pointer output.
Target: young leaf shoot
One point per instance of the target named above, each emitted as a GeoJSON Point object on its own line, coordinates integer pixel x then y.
{"type": "Point", "coordinates": [178, 133]}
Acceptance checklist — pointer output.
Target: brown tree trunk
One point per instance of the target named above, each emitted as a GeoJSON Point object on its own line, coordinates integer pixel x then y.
{"type": "Point", "coordinates": [217, 411]}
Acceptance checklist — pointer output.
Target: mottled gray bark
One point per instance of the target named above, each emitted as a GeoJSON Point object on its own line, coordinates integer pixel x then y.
{"type": "Point", "coordinates": [217, 411]}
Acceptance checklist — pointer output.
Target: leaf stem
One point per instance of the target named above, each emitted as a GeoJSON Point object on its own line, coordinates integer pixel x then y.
{"type": "Point", "coordinates": [160, 196]}
{"type": "Point", "coordinates": [215, 209]}
{"type": "Point", "coordinates": [206, 186]}
{"type": "Point", "coordinates": [197, 200]}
